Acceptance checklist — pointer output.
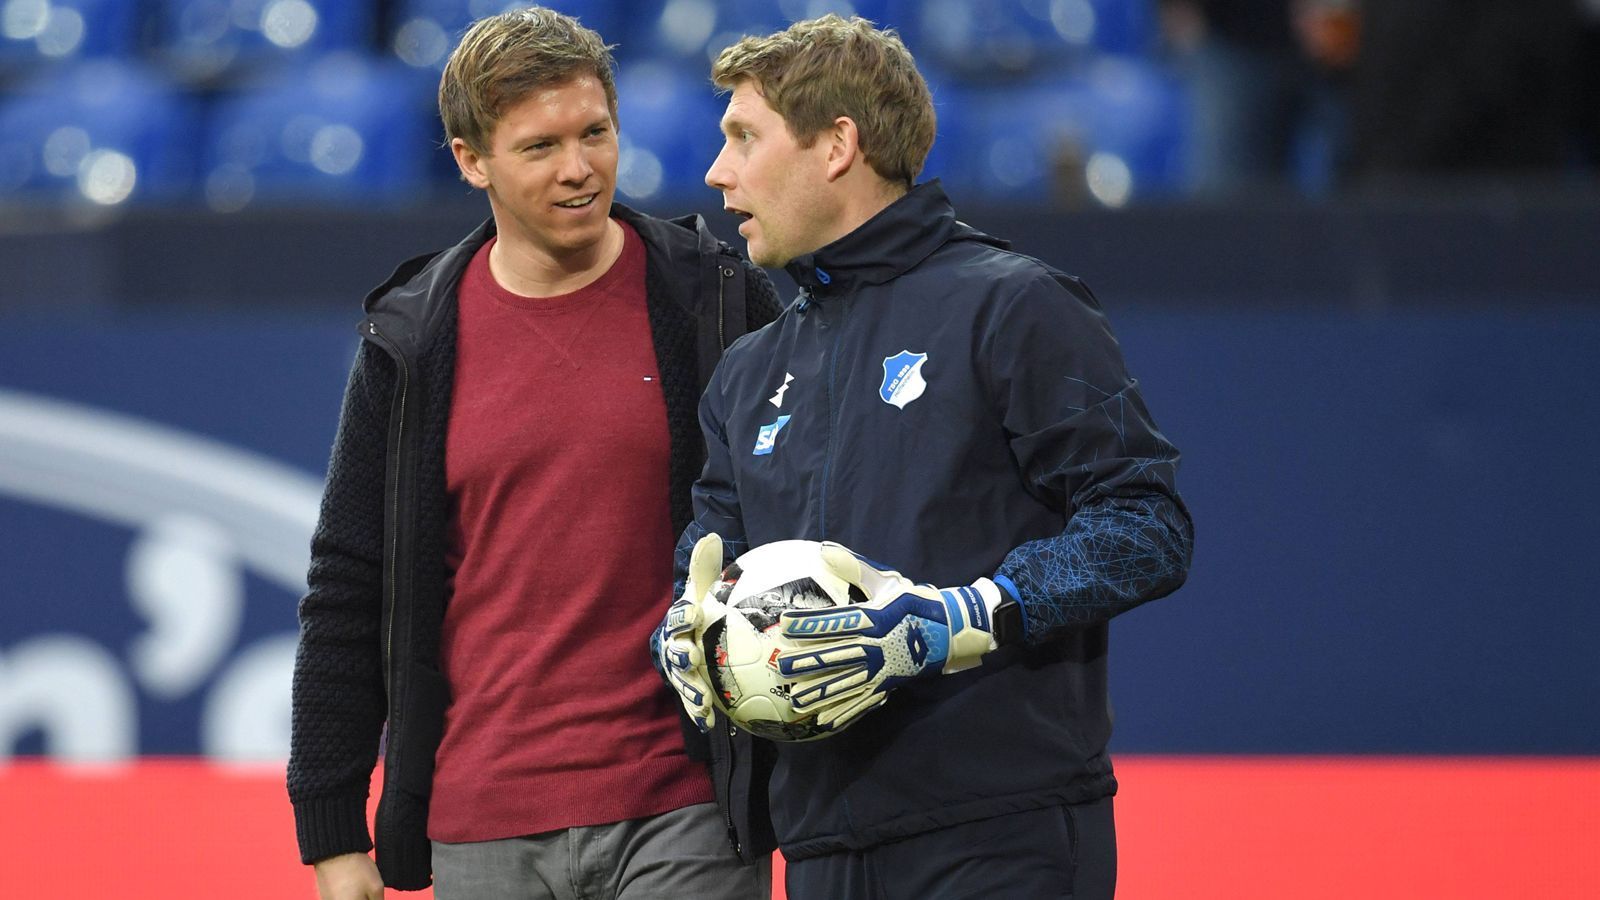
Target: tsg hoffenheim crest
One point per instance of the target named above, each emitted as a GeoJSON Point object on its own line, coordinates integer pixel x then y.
{"type": "Point", "coordinates": [902, 378]}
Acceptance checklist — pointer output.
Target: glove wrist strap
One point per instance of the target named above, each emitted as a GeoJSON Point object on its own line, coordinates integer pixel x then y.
{"type": "Point", "coordinates": [971, 612]}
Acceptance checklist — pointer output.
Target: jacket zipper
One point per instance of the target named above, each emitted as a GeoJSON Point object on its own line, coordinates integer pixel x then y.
{"type": "Point", "coordinates": [394, 512]}
{"type": "Point", "coordinates": [727, 810]}
{"type": "Point", "coordinates": [724, 273]}
{"type": "Point", "coordinates": [722, 337]}
{"type": "Point", "coordinates": [827, 453]}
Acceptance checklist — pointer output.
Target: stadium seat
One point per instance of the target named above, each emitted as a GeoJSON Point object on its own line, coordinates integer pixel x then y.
{"type": "Point", "coordinates": [997, 40]}
{"type": "Point", "coordinates": [202, 39]}
{"type": "Point", "coordinates": [1107, 133]}
{"type": "Point", "coordinates": [344, 129]}
{"type": "Point", "coordinates": [693, 32]}
{"type": "Point", "coordinates": [669, 131]}
{"type": "Point", "coordinates": [36, 32]}
{"type": "Point", "coordinates": [424, 31]}
{"type": "Point", "coordinates": [950, 131]}
{"type": "Point", "coordinates": [103, 131]}
{"type": "Point", "coordinates": [1126, 27]}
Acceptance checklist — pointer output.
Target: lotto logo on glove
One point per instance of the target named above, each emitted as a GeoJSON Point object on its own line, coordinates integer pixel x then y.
{"type": "Point", "coordinates": [846, 661]}
{"type": "Point", "coordinates": [825, 623]}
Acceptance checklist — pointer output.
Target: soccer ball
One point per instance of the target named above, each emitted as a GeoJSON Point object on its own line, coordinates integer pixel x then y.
{"type": "Point", "coordinates": [740, 638]}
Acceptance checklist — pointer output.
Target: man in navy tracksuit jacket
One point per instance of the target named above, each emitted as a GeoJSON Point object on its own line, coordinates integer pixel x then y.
{"type": "Point", "coordinates": [940, 404]}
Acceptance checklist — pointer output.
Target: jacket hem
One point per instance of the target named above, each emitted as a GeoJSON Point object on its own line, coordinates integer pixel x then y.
{"type": "Point", "coordinates": [1084, 791]}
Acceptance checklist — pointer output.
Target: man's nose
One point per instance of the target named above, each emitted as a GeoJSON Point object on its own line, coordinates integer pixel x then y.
{"type": "Point", "coordinates": [718, 176]}
{"type": "Point", "coordinates": [575, 166]}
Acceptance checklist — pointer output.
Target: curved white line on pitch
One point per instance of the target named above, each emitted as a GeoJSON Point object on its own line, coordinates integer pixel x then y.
{"type": "Point", "coordinates": [131, 471]}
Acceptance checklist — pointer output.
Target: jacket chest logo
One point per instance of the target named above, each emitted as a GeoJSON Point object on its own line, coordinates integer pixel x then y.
{"type": "Point", "coordinates": [767, 437]}
{"type": "Point", "coordinates": [777, 399]}
{"type": "Point", "coordinates": [902, 378]}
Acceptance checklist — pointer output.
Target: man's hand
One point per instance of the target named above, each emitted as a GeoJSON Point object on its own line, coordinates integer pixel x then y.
{"type": "Point", "coordinates": [348, 876]}
{"type": "Point", "coordinates": [680, 658]}
{"type": "Point", "coordinates": [846, 659]}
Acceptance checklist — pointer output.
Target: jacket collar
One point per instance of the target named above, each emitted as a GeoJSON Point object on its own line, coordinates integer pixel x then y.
{"type": "Point", "coordinates": [885, 246]}
{"type": "Point", "coordinates": [411, 302]}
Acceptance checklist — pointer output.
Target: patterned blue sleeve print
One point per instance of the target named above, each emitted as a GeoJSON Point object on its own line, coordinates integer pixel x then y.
{"type": "Point", "coordinates": [1085, 442]}
{"type": "Point", "coordinates": [1112, 557]}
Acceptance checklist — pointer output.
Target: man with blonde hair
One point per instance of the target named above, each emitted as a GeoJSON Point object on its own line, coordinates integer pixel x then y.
{"type": "Point", "coordinates": [962, 413]}
{"type": "Point", "coordinates": [513, 461]}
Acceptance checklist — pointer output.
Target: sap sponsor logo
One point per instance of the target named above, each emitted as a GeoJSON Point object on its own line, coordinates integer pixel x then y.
{"type": "Point", "coordinates": [203, 516]}
{"type": "Point", "coordinates": [825, 623]}
{"type": "Point", "coordinates": [902, 378]}
{"type": "Point", "coordinates": [767, 437]}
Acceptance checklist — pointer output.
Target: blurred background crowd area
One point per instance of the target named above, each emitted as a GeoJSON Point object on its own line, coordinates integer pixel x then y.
{"type": "Point", "coordinates": [221, 105]}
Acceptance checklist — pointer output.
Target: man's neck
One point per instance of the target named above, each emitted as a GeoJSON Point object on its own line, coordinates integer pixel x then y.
{"type": "Point", "coordinates": [861, 206]}
{"type": "Point", "coordinates": [528, 270]}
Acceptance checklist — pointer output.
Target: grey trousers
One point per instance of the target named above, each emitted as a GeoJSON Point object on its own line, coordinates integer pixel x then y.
{"type": "Point", "coordinates": [683, 853]}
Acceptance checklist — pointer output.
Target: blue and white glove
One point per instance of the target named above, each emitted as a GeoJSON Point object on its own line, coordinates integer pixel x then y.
{"type": "Point", "coordinates": [677, 639]}
{"type": "Point", "coordinates": [846, 659]}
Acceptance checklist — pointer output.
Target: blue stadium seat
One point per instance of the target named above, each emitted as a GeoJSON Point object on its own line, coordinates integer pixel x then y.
{"type": "Point", "coordinates": [693, 32]}
{"type": "Point", "coordinates": [1112, 132]}
{"type": "Point", "coordinates": [950, 134]}
{"type": "Point", "coordinates": [103, 131]}
{"type": "Point", "coordinates": [426, 30]}
{"type": "Point", "coordinates": [993, 40]}
{"type": "Point", "coordinates": [345, 129]}
{"type": "Point", "coordinates": [204, 38]}
{"type": "Point", "coordinates": [1139, 118]}
{"type": "Point", "coordinates": [1117, 26]}
{"type": "Point", "coordinates": [669, 131]}
{"type": "Point", "coordinates": [35, 32]}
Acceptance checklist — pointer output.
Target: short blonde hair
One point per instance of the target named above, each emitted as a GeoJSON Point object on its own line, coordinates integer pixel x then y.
{"type": "Point", "coordinates": [501, 59]}
{"type": "Point", "coordinates": [820, 69]}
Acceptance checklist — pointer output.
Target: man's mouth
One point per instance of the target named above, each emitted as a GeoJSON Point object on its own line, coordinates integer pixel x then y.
{"type": "Point", "coordinates": [578, 202]}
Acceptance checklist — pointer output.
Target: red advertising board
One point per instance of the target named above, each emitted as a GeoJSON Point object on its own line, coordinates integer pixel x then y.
{"type": "Point", "coordinates": [1198, 828]}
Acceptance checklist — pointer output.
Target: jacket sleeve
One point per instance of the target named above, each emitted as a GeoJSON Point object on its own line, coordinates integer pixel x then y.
{"type": "Point", "coordinates": [339, 703]}
{"type": "Point", "coordinates": [1085, 444]}
{"type": "Point", "coordinates": [714, 497]}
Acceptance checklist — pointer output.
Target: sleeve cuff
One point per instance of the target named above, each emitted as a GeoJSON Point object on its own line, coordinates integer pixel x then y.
{"type": "Point", "coordinates": [1008, 591]}
{"type": "Point", "coordinates": [329, 826]}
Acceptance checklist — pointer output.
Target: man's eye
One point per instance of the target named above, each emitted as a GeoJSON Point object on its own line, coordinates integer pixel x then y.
{"type": "Point", "coordinates": [746, 136]}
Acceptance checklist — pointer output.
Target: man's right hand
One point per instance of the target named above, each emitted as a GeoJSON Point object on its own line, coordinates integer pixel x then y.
{"type": "Point", "coordinates": [348, 876]}
{"type": "Point", "coordinates": [681, 660]}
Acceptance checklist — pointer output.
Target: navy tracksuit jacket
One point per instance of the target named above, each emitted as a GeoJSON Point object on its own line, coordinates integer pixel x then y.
{"type": "Point", "coordinates": [952, 409]}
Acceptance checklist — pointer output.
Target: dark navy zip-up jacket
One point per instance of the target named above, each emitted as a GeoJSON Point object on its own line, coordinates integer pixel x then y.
{"type": "Point", "coordinates": [955, 410]}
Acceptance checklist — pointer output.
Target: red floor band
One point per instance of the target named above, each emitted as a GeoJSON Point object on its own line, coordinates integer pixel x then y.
{"type": "Point", "coordinates": [1194, 828]}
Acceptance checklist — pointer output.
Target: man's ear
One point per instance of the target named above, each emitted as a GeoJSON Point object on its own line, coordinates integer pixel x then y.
{"type": "Point", "coordinates": [844, 146]}
{"type": "Point", "coordinates": [470, 162]}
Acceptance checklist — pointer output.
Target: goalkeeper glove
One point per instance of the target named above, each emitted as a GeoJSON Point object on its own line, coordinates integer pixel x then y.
{"type": "Point", "coordinates": [847, 659]}
{"type": "Point", "coordinates": [677, 639]}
